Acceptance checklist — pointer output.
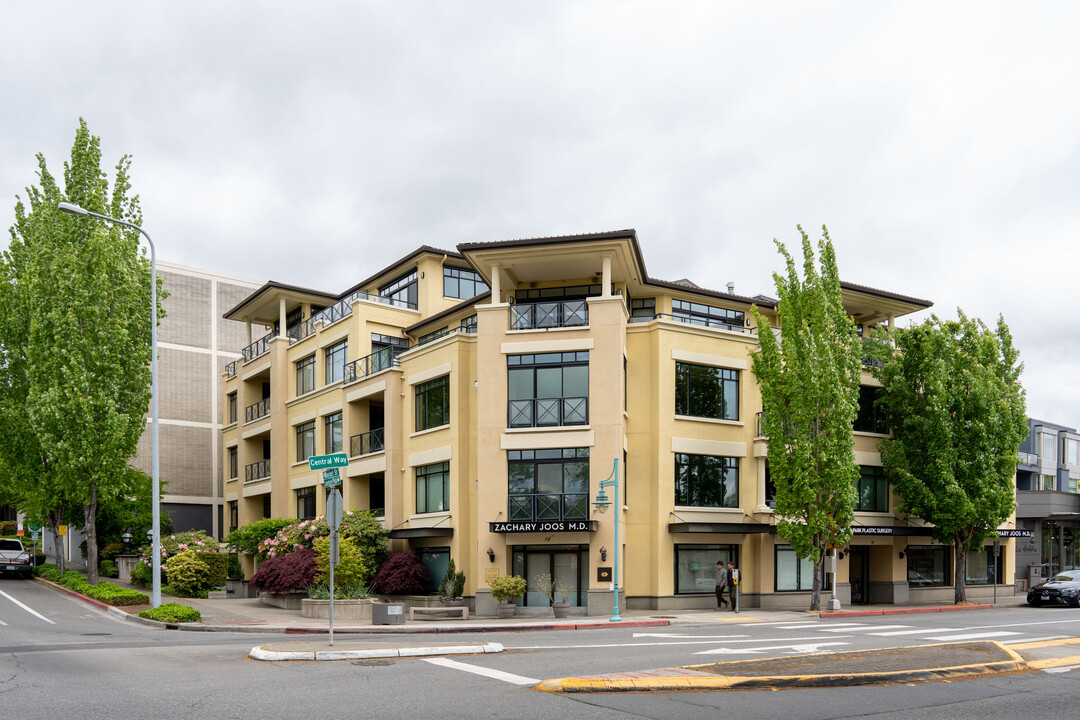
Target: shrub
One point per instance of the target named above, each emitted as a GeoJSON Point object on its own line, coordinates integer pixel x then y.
{"type": "Point", "coordinates": [350, 570]}
{"type": "Point", "coordinates": [73, 579]}
{"type": "Point", "coordinates": [453, 583]}
{"type": "Point", "coordinates": [507, 588]}
{"type": "Point", "coordinates": [218, 564]}
{"type": "Point", "coordinates": [195, 540]}
{"type": "Point", "coordinates": [114, 595]}
{"type": "Point", "coordinates": [235, 572]}
{"type": "Point", "coordinates": [371, 537]}
{"type": "Point", "coordinates": [188, 575]}
{"type": "Point", "coordinates": [48, 571]}
{"type": "Point", "coordinates": [287, 573]}
{"type": "Point", "coordinates": [142, 575]}
{"type": "Point", "coordinates": [107, 568]}
{"type": "Point", "coordinates": [402, 573]}
{"type": "Point", "coordinates": [341, 592]}
{"type": "Point", "coordinates": [111, 550]}
{"type": "Point", "coordinates": [172, 613]}
{"type": "Point", "coordinates": [247, 539]}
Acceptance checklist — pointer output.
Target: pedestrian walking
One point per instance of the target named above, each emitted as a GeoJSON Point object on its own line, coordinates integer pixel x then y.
{"type": "Point", "coordinates": [733, 576]}
{"type": "Point", "coordinates": [721, 584]}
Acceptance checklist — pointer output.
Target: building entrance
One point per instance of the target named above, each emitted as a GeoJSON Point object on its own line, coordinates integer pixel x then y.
{"type": "Point", "coordinates": [566, 564]}
{"type": "Point", "coordinates": [859, 574]}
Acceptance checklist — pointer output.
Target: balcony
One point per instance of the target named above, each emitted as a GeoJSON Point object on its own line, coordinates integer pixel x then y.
{"type": "Point", "coordinates": [298, 332]}
{"type": "Point", "coordinates": [549, 412]}
{"type": "Point", "coordinates": [708, 322]}
{"type": "Point", "coordinates": [555, 314]}
{"type": "Point", "coordinates": [259, 347]}
{"type": "Point", "coordinates": [467, 329]}
{"type": "Point", "coordinates": [549, 506]}
{"type": "Point", "coordinates": [380, 360]}
{"type": "Point", "coordinates": [1027, 458]}
{"type": "Point", "coordinates": [257, 471]}
{"type": "Point", "coordinates": [256, 411]}
{"type": "Point", "coordinates": [366, 443]}
{"type": "Point", "coordinates": [230, 369]}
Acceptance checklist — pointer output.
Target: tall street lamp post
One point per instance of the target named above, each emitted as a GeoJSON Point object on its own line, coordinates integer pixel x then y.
{"type": "Point", "coordinates": [155, 486]}
{"type": "Point", "coordinates": [601, 503]}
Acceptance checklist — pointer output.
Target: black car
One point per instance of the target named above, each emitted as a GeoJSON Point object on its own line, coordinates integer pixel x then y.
{"type": "Point", "coordinates": [1062, 589]}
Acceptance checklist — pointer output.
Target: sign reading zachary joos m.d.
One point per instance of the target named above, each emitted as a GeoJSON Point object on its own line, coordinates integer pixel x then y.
{"type": "Point", "coordinates": [322, 462]}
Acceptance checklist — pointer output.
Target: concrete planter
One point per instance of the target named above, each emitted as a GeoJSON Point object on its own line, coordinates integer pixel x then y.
{"type": "Point", "coordinates": [238, 589]}
{"type": "Point", "coordinates": [506, 610]}
{"type": "Point", "coordinates": [285, 601]}
{"type": "Point", "coordinates": [561, 610]}
{"type": "Point", "coordinates": [352, 609]}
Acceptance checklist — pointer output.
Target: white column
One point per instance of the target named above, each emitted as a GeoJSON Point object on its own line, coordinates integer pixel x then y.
{"type": "Point", "coordinates": [496, 284]}
{"type": "Point", "coordinates": [605, 291]}
{"type": "Point", "coordinates": [281, 317]}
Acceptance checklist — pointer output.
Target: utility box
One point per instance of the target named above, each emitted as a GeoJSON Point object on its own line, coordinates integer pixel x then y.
{"type": "Point", "coordinates": [1034, 575]}
{"type": "Point", "coordinates": [388, 614]}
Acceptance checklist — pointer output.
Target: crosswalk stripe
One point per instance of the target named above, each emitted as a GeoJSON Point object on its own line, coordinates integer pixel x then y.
{"type": "Point", "coordinates": [865, 629]}
{"type": "Point", "coordinates": [912, 632]}
{"type": "Point", "coordinates": [486, 672]}
{"type": "Point", "coordinates": [972, 636]}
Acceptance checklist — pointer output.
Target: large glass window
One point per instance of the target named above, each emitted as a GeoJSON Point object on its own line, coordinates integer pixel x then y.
{"type": "Point", "coordinates": [305, 441]}
{"type": "Point", "coordinates": [707, 315]}
{"type": "Point", "coordinates": [401, 291]}
{"type": "Point", "coordinates": [462, 283]}
{"type": "Point", "coordinates": [870, 418]}
{"type": "Point", "coordinates": [642, 309]}
{"type": "Point", "coordinates": [706, 481]}
{"type": "Point", "coordinates": [1072, 451]}
{"type": "Point", "coordinates": [695, 566]}
{"type": "Point", "coordinates": [234, 464]}
{"type": "Point", "coordinates": [550, 484]}
{"type": "Point", "coordinates": [337, 356]}
{"type": "Point", "coordinates": [231, 408]}
{"type": "Point", "coordinates": [548, 389]}
{"type": "Point", "coordinates": [793, 573]}
{"type": "Point", "coordinates": [928, 565]}
{"type": "Point", "coordinates": [305, 503]}
{"type": "Point", "coordinates": [873, 490]}
{"type": "Point", "coordinates": [433, 403]}
{"type": "Point", "coordinates": [1048, 448]}
{"type": "Point", "coordinates": [710, 392]}
{"type": "Point", "coordinates": [433, 488]}
{"type": "Point", "coordinates": [234, 515]}
{"type": "Point", "coordinates": [305, 375]}
{"type": "Point", "coordinates": [983, 568]}
{"type": "Point", "coordinates": [333, 430]}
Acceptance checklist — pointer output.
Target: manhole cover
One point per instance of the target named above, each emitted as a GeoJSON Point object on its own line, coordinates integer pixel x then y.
{"type": "Point", "coordinates": [374, 662]}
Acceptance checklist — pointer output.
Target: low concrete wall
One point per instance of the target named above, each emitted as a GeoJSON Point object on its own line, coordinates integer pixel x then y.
{"type": "Point", "coordinates": [343, 609]}
{"type": "Point", "coordinates": [289, 601]}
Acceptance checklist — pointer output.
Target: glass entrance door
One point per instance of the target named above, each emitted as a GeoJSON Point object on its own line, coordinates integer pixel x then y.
{"type": "Point", "coordinates": [859, 574]}
{"type": "Point", "coordinates": [566, 565]}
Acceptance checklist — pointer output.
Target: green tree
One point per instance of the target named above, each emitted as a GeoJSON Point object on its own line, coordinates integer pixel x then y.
{"type": "Point", "coordinates": [75, 295]}
{"type": "Point", "coordinates": [952, 394]}
{"type": "Point", "coordinates": [809, 380]}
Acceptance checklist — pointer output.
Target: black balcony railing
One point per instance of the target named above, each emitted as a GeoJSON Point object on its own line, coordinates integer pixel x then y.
{"type": "Point", "coordinates": [380, 360]}
{"type": "Point", "coordinates": [366, 442]}
{"type": "Point", "coordinates": [562, 313]}
{"type": "Point", "coordinates": [549, 506]}
{"type": "Point", "coordinates": [298, 332]}
{"type": "Point", "coordinates": [259, 347]}
{"type": "Point", "coordinates": [257, 471]}
{"type": "Point", "coordinates": [549, 412]}
{"type": "Point", "coordinates": [705, 322]}
{"type": "Point", "coordinates": [230, 369]}
{"type": "Point", "coordinates": [256, 411]}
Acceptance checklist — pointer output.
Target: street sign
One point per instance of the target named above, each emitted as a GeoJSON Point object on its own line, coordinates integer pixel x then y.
{"type": "Point", "coordinates": [61, 530]}
{"type": "Point", "coordinates": [322, 462]}
{"type": "Point", "coordinates": [331, 478]}
{"type": "Point", "coordinates": [333, 509]}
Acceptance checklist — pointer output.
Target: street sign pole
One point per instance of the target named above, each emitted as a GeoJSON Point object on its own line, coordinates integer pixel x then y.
{"type": "Point", "coordinates": [333, 519]}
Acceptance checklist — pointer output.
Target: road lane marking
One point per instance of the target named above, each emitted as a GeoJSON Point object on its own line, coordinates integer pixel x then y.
{"type": "Point", "coordinates": [654, 644]}
{"type": "Point", "coordinates": [802, 626]}
{"type": "Point", "coordinates": [913, 632]}
{"type": "Point", "coordinates": [1067, 668]}
{"type": "Point", "coordinates": [486, 672]}
{"type": "Point", "coordinates": [792, 649]}
{"type": "Point", "coordinates": [678, 635]}
{"type": "Point", "coordinates": [1020, 641]}
{"type": "Point", "coordinates": [27, 609]}
{"type": "Point", "coordinates": [867, 629]}
{"type": "Point", "coordinates": [971, 636]}
{"type": "Point", "coordinates": [3, 623]}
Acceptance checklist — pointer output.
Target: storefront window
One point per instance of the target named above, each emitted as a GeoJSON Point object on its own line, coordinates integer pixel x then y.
{"type": "Point", "coordinates": [436, 560]}
{"type": "Point", "coordinates": [795, 574]}
{"type": "Point", "coordinates": [928, 566]}
{"type": "Point", "coordinates": [695, 566]}
{"type": "Point", "coordinates": [982, 568]}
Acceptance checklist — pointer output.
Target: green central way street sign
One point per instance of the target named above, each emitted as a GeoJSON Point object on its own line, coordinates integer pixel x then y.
{"type": "Point", "coordinates": [331, 477]}
{"type": "Point", "coordinates": [324, 462]}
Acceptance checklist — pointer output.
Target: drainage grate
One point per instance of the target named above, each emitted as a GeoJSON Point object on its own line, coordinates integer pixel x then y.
{"type": "Point", "coordinates": [373, 662]}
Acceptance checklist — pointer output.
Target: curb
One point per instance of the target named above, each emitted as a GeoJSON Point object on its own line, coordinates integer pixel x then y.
{"type": "Point", "coordinates": [903, 611]}
{"type": "Point", "coordinates": [261, 653]}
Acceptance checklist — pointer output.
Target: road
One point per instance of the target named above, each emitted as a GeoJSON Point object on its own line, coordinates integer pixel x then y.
{"type": "Point", "coordinates": [61, 657]}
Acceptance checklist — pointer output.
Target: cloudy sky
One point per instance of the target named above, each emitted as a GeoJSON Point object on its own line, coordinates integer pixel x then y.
{"type": "Point", "coordinates": [314, 143]}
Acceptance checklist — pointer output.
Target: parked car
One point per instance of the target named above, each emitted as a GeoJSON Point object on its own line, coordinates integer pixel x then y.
{"type": "Point", "coordinates": [1062, 589]}
{"type": "Point", "coordinates": [14, 559]}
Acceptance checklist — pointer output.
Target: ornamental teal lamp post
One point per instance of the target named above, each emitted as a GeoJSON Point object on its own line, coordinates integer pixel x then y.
{"type": "Point", "coordinates": [601, 503]}
{"type": "Point", "coordinates": [155, 477]}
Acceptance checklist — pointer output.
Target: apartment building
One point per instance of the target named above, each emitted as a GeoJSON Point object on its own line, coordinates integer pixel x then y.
{"type": "Point", "coordinates": [483, 395]}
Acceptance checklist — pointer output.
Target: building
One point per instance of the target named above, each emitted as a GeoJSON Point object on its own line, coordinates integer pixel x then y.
{"type": "Point", "coordinates": [1048, 506]}
{"type": "Point", "coordinates": [482, 395]}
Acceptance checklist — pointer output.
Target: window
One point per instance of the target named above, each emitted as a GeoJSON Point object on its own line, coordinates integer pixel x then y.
{"type": "Point", "coordinates": [377, 494]}
{"type": "Point", "coordinates": [305, 441]}
{"type": "Point", "coordinates": [873, 490]}
{"type": "Point", "coordinates": [462, 283]}
{"type": "Point", "coordinates": [982, 568]}
{"type": "Point", "coordinates": [231, 408]}
{"type": "Point", "coordinates": [305, 503]}
{"type": "Point", "coordinates": [435, 335]}
{"type": "Point", "coordinates": [234, 465]}
{"type": "Point", "coordinates": [334, 438]}
{"type": "Point", "coordinates": [927, 565]}
{"type": "Point", "coordinates": [770, 488]}
{"type": "Point", "coordinates": [548, 389]}
{"type": "Point", "coordinates": [642, 309]}
{"type": "Point", "coordinates": [549, 484]}
{"type": "Point", "coordinates": [337, 356]}
{"type": "Point", "coordinates": [433, 403]}
{"type": "Point", "coordinates": [709, 392]}
{"type": "Point", "coordinates": [695, 566]}
{"type": "Point", "coordinates": [402, 291]}
{"type": "Point", "coordinates": [305, 375]}
{"type": "Point", "coordinates": [266, 505]}
{"type": "Point", "coordinates": [707, 315]}
{"type": "Point", "coordinates": [706, 481]}
{"type": "Point", "coordinates": [871, 418]}
{"type": "Point", "coordinates": [552, 307]}
{"type": "Point", "coordinates": [234, 515]}
{"type": "Point", "coordinates": [1048, 448]}
{"type": "Point", "coordinates": [433, 488]}
{"type": "Point", "coordinates": [793, 573]}
{"type": "Point", "coordinates": [1072, 451]}
{"type": "Point", "coordinates": [469, 324]}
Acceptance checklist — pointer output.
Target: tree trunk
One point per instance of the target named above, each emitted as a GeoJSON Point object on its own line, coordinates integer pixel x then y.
{"type": "Point", "coordinates": [90, 530]}
{"type": "Point", "coordinates": [819, 574]}
{"type": "Point", "coordinates": [960, 577]}
{"type": "Point", "coordinates": [53, 519]}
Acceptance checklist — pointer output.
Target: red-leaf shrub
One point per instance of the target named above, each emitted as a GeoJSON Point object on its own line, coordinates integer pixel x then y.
{"type": "Point", "coordinates": [402, 573]}
{"type": "Point", "coordinates": [287, 573]}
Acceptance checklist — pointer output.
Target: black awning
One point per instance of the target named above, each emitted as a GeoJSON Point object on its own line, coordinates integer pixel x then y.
{"type": "Point", "coordinates": [729, 528]}
{"type": "Point", "coordinates": [416, 533]}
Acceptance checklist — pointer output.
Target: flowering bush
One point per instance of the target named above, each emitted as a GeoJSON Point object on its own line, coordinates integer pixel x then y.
{"type": "Point", "coordinates": [371, 537]}
{"type": "Point", "coordinates": [188, 575]}
{"type": "Point", "coordinates": [194, 540]}
{"type": "Point", "coordinates": [249, 538]}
